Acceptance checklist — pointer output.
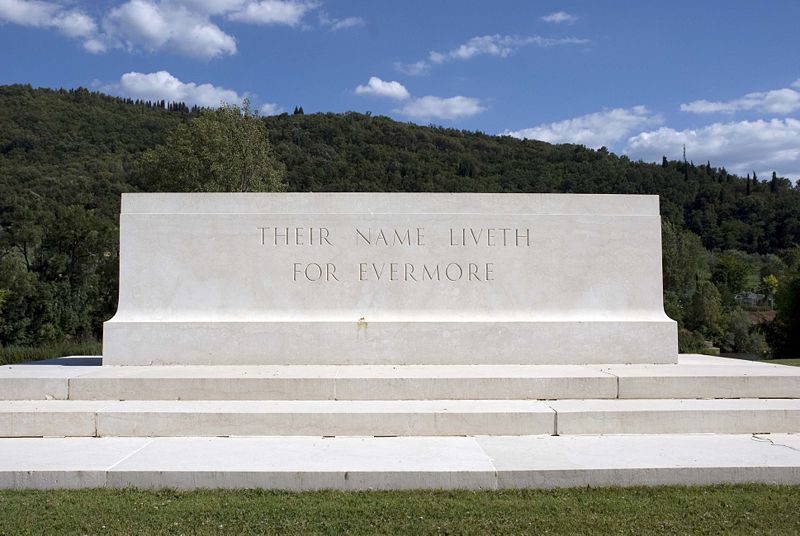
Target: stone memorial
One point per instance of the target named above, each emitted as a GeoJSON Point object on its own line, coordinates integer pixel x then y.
{"type": "Point", "coordinates": [363, 278]}
{"type": "Point", "coordinates": [391, 341]}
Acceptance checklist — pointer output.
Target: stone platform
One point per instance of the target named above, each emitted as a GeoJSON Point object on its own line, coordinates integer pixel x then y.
{"type": "Point", "coordinates": [702, 420]}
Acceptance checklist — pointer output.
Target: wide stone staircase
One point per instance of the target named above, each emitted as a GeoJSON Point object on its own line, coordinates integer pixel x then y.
{"type": "Point", "coordinates": [71, 422]}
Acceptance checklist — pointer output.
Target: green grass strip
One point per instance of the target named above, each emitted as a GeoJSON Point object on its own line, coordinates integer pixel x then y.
{"type": "Point", "coordinates": [10, 355]}
{"type": "Point", "coordinates": [739, 509]}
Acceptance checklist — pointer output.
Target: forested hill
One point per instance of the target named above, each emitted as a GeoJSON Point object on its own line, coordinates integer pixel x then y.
{"type": "Point", "coordinates": [65, 157]}
{"type": "Point", "coordinates": [81, 147]}
{"type": "Point", "coordinates": [355, 152]}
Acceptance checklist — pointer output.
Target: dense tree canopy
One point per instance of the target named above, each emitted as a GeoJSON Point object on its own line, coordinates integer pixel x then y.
{"type": "Point", "coordinates": [222, 150]}
{"type": "Point", "coordinates": [65, 157]}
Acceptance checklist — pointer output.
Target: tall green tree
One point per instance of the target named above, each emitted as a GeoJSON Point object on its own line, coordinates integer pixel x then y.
{"type": "Point", "coordinates": [705, 314]}
{"type": "Point", "coordinates": [783, 334]}
{"type": "Point", "coordinates": [222, 150]}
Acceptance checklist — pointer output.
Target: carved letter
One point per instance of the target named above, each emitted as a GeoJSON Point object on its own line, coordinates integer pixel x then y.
{"type": "Point", "coordinates": [317, 267]}
{"type": "Point", "coordinates": [378, 273]}
{"type": "Point", "coordinates": [477, 239]}
{"type": "Point", "coordinates": [409, 272]}
{"type": "Point", "coordinates": [380, 237]}
{"type": "Point", "coordinates": [527, 236]}
{"type": "Point", "coordinates": [285, 235]}
{"type": "Point", "coordinates": [323, 235]}
{"type": "Point", "coordinates": [402, 238]}
{"type": "Point", "coordinates": [490, 237]}
{"type": "Point", "coordinates": [473, 271]}
{"type": "Point", "coordinates": [426, 272]}
{"type": "Point", "coordinates": [330, 272]}
{"type": "Point", "coordinates": [452, 243]}
{"type": "Point", "coordinates": [364, 238]}
{"type": "Point", "coordinates": [447, 271]}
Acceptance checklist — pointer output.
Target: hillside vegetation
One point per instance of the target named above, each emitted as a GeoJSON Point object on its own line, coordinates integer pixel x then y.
{"type": "Point", "coordinates": [66, 156]}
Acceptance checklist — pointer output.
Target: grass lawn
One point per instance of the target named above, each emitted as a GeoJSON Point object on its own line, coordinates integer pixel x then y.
{"type": "Point", "coordinates": [741, 509]}
{"type": "Point", "coordinates": [19, 354]}
{"type": "Point", "coordinates": [793, 362]}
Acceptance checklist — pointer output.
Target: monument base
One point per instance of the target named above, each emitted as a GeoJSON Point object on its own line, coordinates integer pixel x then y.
{"type": "Point", "coordinates": [367, 342]}
{"type": "Point", "coordinates": [704, 420]}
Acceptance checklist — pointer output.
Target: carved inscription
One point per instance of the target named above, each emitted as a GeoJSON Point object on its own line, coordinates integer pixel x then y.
{"type": "Point", "coordinates": [398, 239]}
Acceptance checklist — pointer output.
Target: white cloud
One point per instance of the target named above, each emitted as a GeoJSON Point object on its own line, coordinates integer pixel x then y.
{"type": "Point", "coordinates": [499, 45]}
{"type": "Point", "coordinates": [380, 88]}
{"type": "Point", "coordinates": [413, 69]}
{"type": "Point", "coordinates": [347, 22]}
{"type": "Point", "coordinates": [39, 14]}
{"type": "Point", "coordinates": [593, 130]}
{"type": "Point", "coordinates": [777, 101]}
{"type": "Point", "coordinates": [212, 7]}
{"type": "Point", "coordinates": [340, 24]}
{"type": "Point", "coordinates": [559, 17]}
{"type": "Point", "coordinates": [762, 145]}
{"type": "Point", "coordinates": [430, 107]}
{"type": "Point", "coordinates": [162, 85]}
{"type": "Point", "coordinates": [270, 108]}
{"type": "Point", "coordinates": [288, 12]}
{"type": "Point", "coordinates": [27, 13]}
{"type": "Point", "coordinates": [139, 23]}
{"type": "Point", "coordinates": [181, 26]}
{"type": "Point", "coordinates": [153, 26]}
{"type": "Point", "coordinates": [94, 46]}
{"type": "Point", "coordinates": [74, 24]}
{"type": "Point", "coordinates": [496, 45]}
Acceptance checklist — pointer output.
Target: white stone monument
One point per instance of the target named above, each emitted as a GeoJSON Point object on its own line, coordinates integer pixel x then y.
{"type": "Point", "coordinates": [346, 278]}
{"type": "Point", "coordinates": [394, 341]}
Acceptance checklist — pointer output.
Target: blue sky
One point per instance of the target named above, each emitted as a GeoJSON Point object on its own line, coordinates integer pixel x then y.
{"type": "Point", "coordinates": [641, 77]}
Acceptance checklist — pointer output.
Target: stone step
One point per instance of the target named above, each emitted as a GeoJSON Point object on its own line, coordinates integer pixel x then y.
{"type": "Point", "coordinates": [693, 377]}
{"type": "Point", "coordinates": [395, 418]}
{"type": "Point", "coordinates": [351, 463]}
{"type": "Point", "coordinates": [676, 416]}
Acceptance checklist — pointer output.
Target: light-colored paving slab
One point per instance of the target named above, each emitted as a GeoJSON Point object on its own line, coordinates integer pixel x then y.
{"type": "Point", "coordinates": [299, 463]}
{"type": "Point", "coordinates": [76, 462]}
{"type": "Point", "coordinates": [37, 418]}
{"type": "Point", "coordinates": [381, 382]}
{"type": "Point", "coordinates": [166, 418]}
{"type": "Point", "coordinates": [307, 463]}
{"type": "Point", "coordinates": [46, 380]}
{"type": "Point", "coordinates": [352, 382]}
{"type": "Point", "coordinates": [325, 418]}
{"type": "Point", "coordinates": [642, 460]}
{"type": "Point", "coordinates": [721, 416]}
{"type": "Point", "coordinates": [300, 382]}
{"type": "Point", "coordinates": [693, 377]}
{"type": "Point", "coordinates": [707, 377]}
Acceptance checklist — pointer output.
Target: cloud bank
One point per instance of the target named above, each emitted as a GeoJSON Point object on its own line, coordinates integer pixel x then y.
{"type": "Point", "coordinates": [559, 17]}
{"type": "Point", "coordinates": [162, 85]}
{"type": "Point", "coordinates": [421, 108]}
{"type": "Point", "coordinates": [500, 46]}
{"type": "Point", "coordinates": [743, 146]}
{"type": "Point", "coordinates": [594, 130]}
{"type": "Point", "coordinates": [185, 27]}
{"type": "Point", "coordinates": [379, 88]}
{"type": "Point", "coordinates": [777, 101]}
